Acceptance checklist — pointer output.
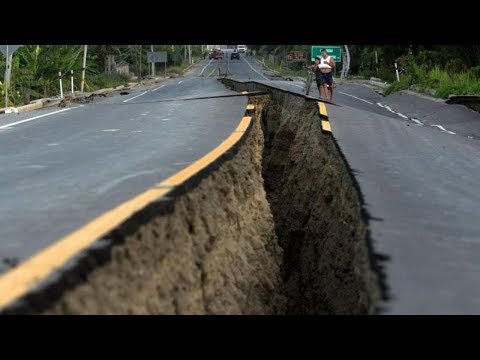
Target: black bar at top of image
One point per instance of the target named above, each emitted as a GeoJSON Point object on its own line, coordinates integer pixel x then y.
{"type": "Point", "coordinates": [341, 23]}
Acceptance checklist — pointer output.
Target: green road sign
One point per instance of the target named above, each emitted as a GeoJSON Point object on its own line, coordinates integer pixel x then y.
{"type": "Point", "coordinates": [334, 51]}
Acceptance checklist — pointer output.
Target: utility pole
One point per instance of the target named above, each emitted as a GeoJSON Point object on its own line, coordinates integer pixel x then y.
{"type": "Point", "coordinates": [190, 54]}
{"type": "Point", "coordinates": [8, 72]}
{"type": "Point", "coordinates": [153, 63]}
{"type": "Point", "coordinates": [8, 52]}
{"type": "Point", "coordinates": [140, 67]}
{"type": "Point", "coordinates": [83, 67]}
{"type": "Point", "coordinates": [61, 84]}
{"type": "Point", "coordinates": [71, 82]}
{"type": "Point", "coordinates": [185, 57]}
{"type": "Point", "coordinates": [346, 66]}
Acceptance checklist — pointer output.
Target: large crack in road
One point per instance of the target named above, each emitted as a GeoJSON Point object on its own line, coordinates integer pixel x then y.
{"type": "Point", "coordinates": [278, 227]}
{"type": "Point", "coordinates": [317, 210]}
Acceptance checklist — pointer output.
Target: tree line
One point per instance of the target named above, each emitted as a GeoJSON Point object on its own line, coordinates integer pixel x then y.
{"type": "Point", "coordinates": [35, 68]}
{"type": "Point", "coordinates": [444, 69]}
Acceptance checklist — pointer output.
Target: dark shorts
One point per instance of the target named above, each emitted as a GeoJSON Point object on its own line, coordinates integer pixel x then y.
{"type": "Point", "coordinates": [325, 78]}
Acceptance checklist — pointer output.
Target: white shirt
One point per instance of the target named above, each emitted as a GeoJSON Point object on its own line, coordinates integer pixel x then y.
{"type": "Point", "coordinates": [325, 63]}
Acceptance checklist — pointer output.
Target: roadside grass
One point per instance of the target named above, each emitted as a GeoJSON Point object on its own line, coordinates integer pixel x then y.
{"type": "Point", "coordinates": [404, 84]}
{"type": "Point", "coordinates": [102, 81]}
{"type": "Point", "coordinates": [443, 82]}
{"type": "Point", "coordinates": [177, 69]}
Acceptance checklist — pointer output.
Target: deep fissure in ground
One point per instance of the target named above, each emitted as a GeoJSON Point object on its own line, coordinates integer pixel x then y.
{"type": "Point", "coordinates": [275, 228]}
{"type": "Point", "coordinates": [316, 209]}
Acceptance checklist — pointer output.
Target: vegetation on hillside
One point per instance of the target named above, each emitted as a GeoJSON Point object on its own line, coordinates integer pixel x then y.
{"type": "Point", "coordinates": [35, 68]}
{"type": "Point", "coordinates": [446, 69]}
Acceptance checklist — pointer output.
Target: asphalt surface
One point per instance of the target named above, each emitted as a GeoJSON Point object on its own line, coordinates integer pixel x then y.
{"type": "Point", "coordinates": [453, 117]}
{"type": "Point", "coordinates": [420, 186]}
{"type": "Point", "coordinates": [246, 68]}
{"type": "Point", "coordinates": [60, 168]}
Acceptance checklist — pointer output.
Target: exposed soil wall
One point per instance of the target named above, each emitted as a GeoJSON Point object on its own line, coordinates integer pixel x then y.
{"type": "Point", "coordinates": [216, 253]}
{"type": "Point", "coordinates": [317, 211]}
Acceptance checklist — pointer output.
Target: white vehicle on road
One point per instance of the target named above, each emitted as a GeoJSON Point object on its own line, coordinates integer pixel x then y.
{"type": "Point", "coordinates": [242, 48]}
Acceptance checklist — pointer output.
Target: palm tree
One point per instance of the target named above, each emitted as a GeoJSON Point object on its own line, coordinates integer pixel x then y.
{"type": "Point", "coordinates": [36, 68]}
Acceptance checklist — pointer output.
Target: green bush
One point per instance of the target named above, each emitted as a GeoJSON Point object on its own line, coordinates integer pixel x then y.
{"type": "Point", "coordinates": [445, 82]}
{"type": "Point", "coordinates": [429, 79]}
{"type": "Point", "coordinates": [440, 68]}
{"type": "Point", "coordinates": [403, 84]}
{"type": "Point", "coordinates": [367, 73]}
{"type": "Point", "coordinates": [428, 82]}
{"type": "Point", "coordinates": [406, 64]}
{"type": "Point", "coordinates": [454, 65]}
{"type": "Point", "coordinates": [102, 81]}
{"type": "Point", "coordinates": [474, 88]}
{"type": "Point", "coordinates": [175, 70]}
{"type": "Point", "coordinates": [14, 97]}
{"type": "Point", "coordinates": [446, 89]}
{"type": "Point", "coordinates": [475, 72]}
{"type": "Point", "coordinates": [386, 74]}
{"type": "Point", "coordinates": [429, 59]}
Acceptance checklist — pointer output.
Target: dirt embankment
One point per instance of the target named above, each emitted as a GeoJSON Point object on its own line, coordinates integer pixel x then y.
{"type": "Point", "coordinates": [317, 211]}
{"type": "Point", "coordinates": [317, 215]}
{"type": "Point", "coordinates": [216, 253]}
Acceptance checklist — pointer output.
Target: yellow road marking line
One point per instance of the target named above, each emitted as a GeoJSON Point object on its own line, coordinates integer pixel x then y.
{"type": "Point", "coordinates": [322, 108]}
{"type": "Point", "coordinates": [244, 92]}
{"type": "Point", "coordinates": [244, 123]}
{"type": "Point", "coordinates": [18, 281]}
{"type": "Point", "coordinates": [250, 107]}
{"type": "Point", "coordinates": [326, 126]}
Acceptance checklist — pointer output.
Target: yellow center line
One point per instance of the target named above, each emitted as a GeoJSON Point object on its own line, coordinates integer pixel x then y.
{"type": "Point", "coordinates": [323, 109]}
{"type": "Point", "coordinates": [326, 126]}
{"type": "Point", "coordinates": [244, 123]}
{"type": "Point", "coordinates": [18, 281]}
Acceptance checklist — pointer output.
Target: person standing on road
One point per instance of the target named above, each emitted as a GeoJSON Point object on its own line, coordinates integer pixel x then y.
{"type": "Point", "coordinates": [316, 70]}
{"type": "Point", "coordinates": [327, 64]}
